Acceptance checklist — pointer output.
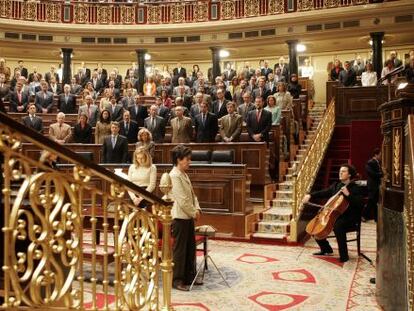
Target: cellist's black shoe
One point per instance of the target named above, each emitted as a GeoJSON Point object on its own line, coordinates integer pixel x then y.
{"type": "Point", "coordinates": [322, 253]}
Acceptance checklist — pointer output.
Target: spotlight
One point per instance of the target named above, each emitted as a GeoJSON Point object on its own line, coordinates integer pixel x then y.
{"type": "Point", "coordinates": [224, 53]}
{"type": "Point", "coordinates": [147, 56]}
{"type": "Point", "coordinates": [300, 47]}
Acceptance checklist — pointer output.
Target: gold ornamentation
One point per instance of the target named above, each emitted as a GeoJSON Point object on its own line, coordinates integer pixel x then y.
{"type": "Point", "coordinates": [276, 6]}
{"type": "Point", "coordinates": [5, 8]}
{"type": "Point", "coordinates": [177, 13]}
{"type": "Point", "coordinates": [227, 10]}
{"type": "Point", "coordinates": [127, 14]}
{"type": "Point", "coordinates": [331, 3]}
{"type": "Point", "coordinates": [81, 14]}
{"type": "Point", "coordinates": [104, 14]}
{"type": "Point", "coordinates": [251, 8]}
{"type": "Point", "coordinates": [358, 2]}
{"type": "Point", "coordinates": [201, 12]}
{"type": "Point", "coordinates": [53, 12]}
{"type": "Point", "coordinates": [397, 157]}
{"type": "Point", "coordinates": [154, 14]}
{"type": "Point", "coordinates": [29, 10]}
{"type": "Point", "coordinates": [305, 5]}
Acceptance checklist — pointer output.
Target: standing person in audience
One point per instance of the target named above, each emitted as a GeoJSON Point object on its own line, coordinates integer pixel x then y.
{"type": "Point", "coordinates": [138, 112]}
{"type": "Point", "coordinates": [96, 82]}
{"type": "Point", "coordinates": [278, 75]}
{"type": "Point", "coordinates": [389, 66]}
{"type": "Point", "coordinates": [18, 99]}
{"type": "Point", "coordinates": [143, 174]}
{"type": "Point", "coordinates": [128, 128]}
{"type": "Point", "coordinates": [32, 120]}
{"type": "Point", "coordinates": [149, 88]}
{"type": "Point", "coordinates": [22, 69]}
{"type": "Point", "coordinates": [248, 71]}
{"type": "Point", "coordinates": [231, 124]}
{"type": "Point", "coordinates": [195, 108]}
{"type": "Point", "coordinates": [60, 132]}
{"type": "Point", "coordinates": [229, 73]}
{"type": "Point", "coordinates": [35, 72]}
{"type": "Point", "coordinates": [181, 85]}
{"type": "Point", "coordinates": [67, 101]}
{"type": "Point", "coordinates": [5, 70]}
{"type": "Point", "coordinates": [165, 99]}
{"type": "Point", "coordinates": [182, 127]}
{"type": "Point", "coordinates": [179, 103]}
{"type": "Point", "coordinates": [163, 111]}
{"type": "Point", "coordinates": [113, 89]}
{"type": "Point", "coordinates": [283, 98]}
{"type": "Point", "coordinates": [271, 84]}
{"type": "Point", "coordinates": [54, 87]}
{"type": "Point", "coordinates": [246, 106]}
{"type": "Point", "coordinates": [105, 100]}
{"type": "Point", "coordinates": [13, 81]}
{"type": "Point", "coordinates": [51, 73]}
{"type": "Point", "coordinates": [4, 88]}
{"type": "Point", "coordinates": [90, 109]}
{"type": "Point", "coordinates": [347, 77]}
{"type": "Point", "coordinates": [395, 60]}
{"type": "Point", "coordinates": [115, 146]}
{"type": "Point", "coordinates": [44, 99]}
{"type": "Point", "coordinates": [294, 88]}
{"type": "Point", "coordinates": [358, 66]}
{"type": "Point", "coordinates": [206, 125]}
{"type": "Point", "coordinates": [80, 77]}
{"type": "Point", "coordinates": [220, 104]}
{"type": "Point", "coordinates": [75, 88]}
{"type": "Point", "coordinates": [273, 109]}
{"type": "Point", "coordinates": [155, 124]}
{"type": "Point", "coordinates": [409, 70]}
{"type": "Point", "coordinates": [261, 89]}
{"type": "Point", "coordinates": [82, 131]}
{"type": "Point", "coordinates": [284, 68]}
{"type": "Point", "coordinates": [238, 94]}
{"type": "Point", "coordinates": [129, 86]}
{"type": "Point", "coordinates": [266, 70]}
{"type": "Point", "coordinates": [178, 72]}
{"type": "Point", "coordinates": [259, 122]}
{"type": "Point", "coordinates": [128, 100]}
{"type": "Point", "coordinates": [334, 74]}
{"type": "Point", "coordinates": [369, 76]}
{"type": "Point", "coordinates": [163, 87]}
{"type": "Point", "coordinates": [103, 127]}
{"type": "Point", "coordinates": [374, 176]}
{"type": "Point", "coordinates": [185, 212]}
{"type": "Point", "coordinates": [251, 85]}
{"type": "Point", "coordinates": [115, 109]}
{"type": "Point", "coordinates": [34, 85]}
{"type": "Point", "coordinates": [145, 141]}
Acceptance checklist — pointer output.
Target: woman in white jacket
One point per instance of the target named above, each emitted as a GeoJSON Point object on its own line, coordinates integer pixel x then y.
{"type": "Point", "coordinates": [186, 210]}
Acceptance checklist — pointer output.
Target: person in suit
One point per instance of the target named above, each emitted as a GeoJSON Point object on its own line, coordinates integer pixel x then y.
{"type": "Point", "coordinates": [163, 111]}
{"type": "Point", "coordinates": [96, 82]}
{"type": "Point", "coordinates": [18, 99]}
{"type": "Point", "coordinates": [128, 100]}
{"type": "Point", "coordinates": [246, 106]}
{"type": "Point", "coordinates": [347, 77]}
{"type": "Point", "coordinates": [67, 101]}
{"type": "Point", "coordinates": [284, 69]}
{"type": "Point", "coordinates": [4, 88]}
{"type": "Point", "coordinates": [54, 87]}
{"type": "Point", "coordinates": [185, 212]}
{"type": "Point", "coordinates": [195, 108]}
{"type": "Point", "coordinates": [33, 121]}
{"type": "Point", "coordinates": [82, 131]}
{"type": "Point", "coordinates": [266, 70]}
{"type": "Point", "coordinates": [349, 218]}
{"type": "Point", "coordinates": [75, 88]}
{"type": "Point", "coordinates": [128, 128]}
{"type": "Point", "coordinates": [220, 105]}
{"type": "Point", "coordinates": [396, 61]}
{"type": "Point", "coordinates": [178, 90]}
{"type": "Point", "coordinates": [259, 122]}
{"type": "Point", "coordinates": [179, 72]}
{"type": "Point", "coordinates": [44, 99]}
{"type": "Point", "coordinates": [113, 90]}
{"type": "Point", "coordinates": [238, 94]}
{"type": "Point", "coordinates": [334, 74]}
{"type": "Point", "coordinates": [138, 112]}
{"type": "Point", "coordinates": [182, 127]}
{"type": "Point", "coordinates": [115, 146]}
{"type": "Point", "coordinates": [51, 73]}
{"type": "Point", "coordinates": [60, 132]}
{"type": "Point", "coordinates": [271, 84]}
{"type": "Point", "coordinates": [86, 70]}
{"type": "Point", "coordinates": [261, 90]}
{"type": "Point", "coordinates": [155, 124]}
{"type": "Point", "coordinates": [115, 109]}
{"type": "Point", "coordinates": [34, 73]}
{"type": "Point", "coordinates": [374, 175]}
{"type": "Point", "coordinates": [206, 125]}
{"type": "Point", "coordinates": [231, 124]}
{"type": "Point", "coordinates": [229, 73]}
{"type": "Point", "coordinates": [102, 73]}
{"type": "Point", "coordinates": [22, 69]}
{"type": "Point", "coordinates": [90, 109]}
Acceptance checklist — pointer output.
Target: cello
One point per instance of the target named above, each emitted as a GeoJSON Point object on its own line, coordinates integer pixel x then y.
{"type": "Point", "coordinates": [322, 224]}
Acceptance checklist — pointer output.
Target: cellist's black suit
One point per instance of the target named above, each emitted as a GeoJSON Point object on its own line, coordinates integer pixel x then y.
{"type": "Point", "coordinates": [346, 221]}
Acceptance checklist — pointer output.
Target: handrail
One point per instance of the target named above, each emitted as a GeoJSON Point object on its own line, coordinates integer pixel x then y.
{"type": "Point", "coordinates": [63, 152]}
{"type": "Point", "coordinates": [409, 209]}
{"type": "Point", "coordinates": [307, 169]}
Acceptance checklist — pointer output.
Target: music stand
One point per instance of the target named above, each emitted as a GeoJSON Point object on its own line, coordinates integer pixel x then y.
{"type": "Point", "coordinates": [206, 231]}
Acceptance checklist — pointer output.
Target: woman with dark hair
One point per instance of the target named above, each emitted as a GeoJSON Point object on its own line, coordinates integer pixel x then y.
{"type": "Point", "coordinates": [186, 210]}
{"type": "Point", "coordinates": [389, 66]}
{"type": "Point", "coordinates": [294, 87]}
{"type": "Point", "coordinates": [82, 132]}
{"type": "Point", "coordinates": [166, 100]}
{"type": "Point", "coordinates": [234, 86]}
{"type": "Point", "coordinates": [196, 69]}
{"type": "Point", "coordinates": [103, 126]}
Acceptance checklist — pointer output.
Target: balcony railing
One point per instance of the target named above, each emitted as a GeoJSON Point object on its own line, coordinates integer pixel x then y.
{"type": "Point", "coordinates": [163, 12]}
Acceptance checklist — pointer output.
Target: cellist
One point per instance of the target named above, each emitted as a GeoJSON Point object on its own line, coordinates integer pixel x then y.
{"type": "Point", "coordinates": [349, 218]}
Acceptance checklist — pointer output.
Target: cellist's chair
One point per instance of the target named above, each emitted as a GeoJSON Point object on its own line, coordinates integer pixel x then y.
{"type": "Point", "coordinates": [357, 230]}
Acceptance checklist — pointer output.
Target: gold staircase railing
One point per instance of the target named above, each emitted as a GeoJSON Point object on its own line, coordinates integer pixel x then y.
{"type": "Point", "coordinates": [45, 212]}
{"type": "Point", "coordinates": [409, 210]}
{"type": "Point", "coordinates": [307, 169]}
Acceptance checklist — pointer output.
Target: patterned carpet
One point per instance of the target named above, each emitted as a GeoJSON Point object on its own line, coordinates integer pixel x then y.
{"type": "Point", "coordinates": [268, 277]}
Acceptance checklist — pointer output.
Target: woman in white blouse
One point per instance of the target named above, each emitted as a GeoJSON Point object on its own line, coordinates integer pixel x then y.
{"type": "Point", "coordinates": [369, 77]}
{"type": "Point", "coordinates": [142, 173]}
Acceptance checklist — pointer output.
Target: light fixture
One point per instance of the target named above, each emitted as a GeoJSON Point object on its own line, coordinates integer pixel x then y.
{"type": "Point", "coordinates": [300, 47]}
{"type": "Point", "coordinates": [224, 53]}
{"type": "Point", "coordinates": [61, 55]}
{"type": "Point", "coordinates": [147, 56]}
{"type": "Point", "coordinates": [370, 42]}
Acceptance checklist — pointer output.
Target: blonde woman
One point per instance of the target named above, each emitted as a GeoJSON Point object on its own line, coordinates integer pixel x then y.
{"type": "Point", "coordinates": [145, 141]}
{"type": "Point", "coordinates": [274, 109]}
{"type": "Point", "coordinates": [283, 98]}
{"type": "Point", "coordinates": [149, 87]}
{"type": "Point", "coordinates": [142, 173]}
{"type": "Point", "coordinates": [105, 100]}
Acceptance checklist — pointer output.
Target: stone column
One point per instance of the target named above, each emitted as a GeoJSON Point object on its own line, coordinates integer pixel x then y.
{"type": "Point", "coordinates": [293, 57]}
{"type": "Point", "coordinates": [67, 61]}
{"type": "Point", "coordinates": [377, 62]}
{"type": "Point", "coordinates": [216, 62]}
{"type": "Point", "coordinates": [141, 68]}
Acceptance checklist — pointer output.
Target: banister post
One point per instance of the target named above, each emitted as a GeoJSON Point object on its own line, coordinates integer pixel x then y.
{"type": "Point", "coordinates": [166, 257]}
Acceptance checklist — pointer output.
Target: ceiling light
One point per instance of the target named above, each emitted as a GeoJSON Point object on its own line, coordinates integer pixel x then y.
{"type": "Point", "coordinates": [370, 42]}
{"type": "Point", "coordinates": [224, 53]}
{"type": "Point", "coordinates": [147, 56]}
{"type": "Point", "coordinates": [300, 47]}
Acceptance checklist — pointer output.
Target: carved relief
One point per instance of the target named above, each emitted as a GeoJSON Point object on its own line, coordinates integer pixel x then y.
{"type": "Point", "coordinates": [201, 12]}
{"type": "Point", "coordinates": [177, 13]}
{"type": "Point", "coordinates": [251, 7]}
{"type": "Point", "coordinates": [53, 12]}
{"type": "Point", "coordinates": [29, 10]}
{"type": "Point", "coordinates": [360, 1]}
{"type": "Point", "coordinates": [227, 10]}
{"type": "Point", "coordinates": [396, 162]}
{"type": "Point", "coordinates": [80, 15]}
{"type": "Point", "coordinates": [154, 14]}
{"type": "Point", "coordinates": [276, 6]}
{"type": "Point", "coordinates": [127, 14]}
{"type": "Point", "coordinates": [5, 9]}
{"type": "Point", "coordinates": [104, 14]}
{"type": "Point", "coordinates": [305, 5]}
{"type": "Point", "coordinates": [331, 3]}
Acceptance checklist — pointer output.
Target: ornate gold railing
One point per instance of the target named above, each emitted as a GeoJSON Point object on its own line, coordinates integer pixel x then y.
{"type": "Point", "coordinates": [307, 169]}
{"type": "Point", "coordinates": [51, 259]}
{"type": "Point", "coordinates": [409, 210]}
{"type": "Point", "coordinates": [163, 12]}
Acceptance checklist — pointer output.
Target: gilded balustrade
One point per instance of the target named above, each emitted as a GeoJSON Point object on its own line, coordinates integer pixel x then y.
{"type": "Point", "coordinates": [50, 221]}
{"type": "Point", "coordinates": [307, 169]}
